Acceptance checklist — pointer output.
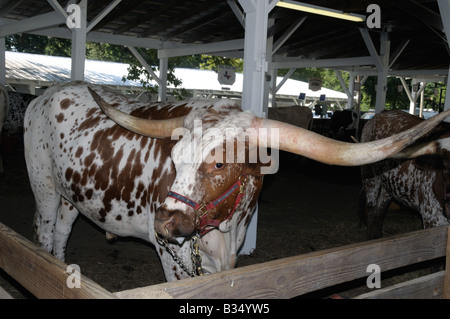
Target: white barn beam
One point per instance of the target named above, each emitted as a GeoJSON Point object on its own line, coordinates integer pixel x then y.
{"type": "Point", "coordinates": [45, 20]}
{"type": "Point", "coordinates": [182, 50]}
{"type": "Point", "coordinates": [102, 14]}
{"type": "Point", "coordinates": [237, 12]}
{"type": "Point", "coordinates": [288, 62]}
{"type": "Point", "coordinates": [287, 34]}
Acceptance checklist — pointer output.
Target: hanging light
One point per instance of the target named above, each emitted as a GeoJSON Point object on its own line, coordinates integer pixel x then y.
{"type": "Point", "coordinates": [309, 8]}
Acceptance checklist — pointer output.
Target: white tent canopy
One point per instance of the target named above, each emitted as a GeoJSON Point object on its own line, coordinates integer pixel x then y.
{"type": "Point", "coordinates": [41, 70]}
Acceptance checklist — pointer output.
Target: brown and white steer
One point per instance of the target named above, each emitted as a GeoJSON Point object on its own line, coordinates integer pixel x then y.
{"type": "Point", "coordinates": [421, 183]}
{"type": "Point", "coordinates": [134, 179]}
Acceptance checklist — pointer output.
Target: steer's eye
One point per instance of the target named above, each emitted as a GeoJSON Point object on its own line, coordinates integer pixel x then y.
{"type": "Point", "coordinates": [218, 166]}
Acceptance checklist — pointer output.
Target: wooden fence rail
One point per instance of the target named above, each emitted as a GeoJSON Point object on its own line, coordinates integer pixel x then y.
{"type": "Point", "coordinates": [45, 276]}
{"type": "Point", "coordinates": [40, 272]}
{"type": "Point", "coordinates": [294, 276]}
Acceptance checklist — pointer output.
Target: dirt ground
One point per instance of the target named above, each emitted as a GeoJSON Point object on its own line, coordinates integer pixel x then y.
{"type": "Point", "coordinates": [304, 207]}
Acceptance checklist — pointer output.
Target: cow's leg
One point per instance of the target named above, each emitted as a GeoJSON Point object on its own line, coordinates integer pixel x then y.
{"type": "Point", "coordinates": [67, 214]}
{"type": "Point", "coordinates": [47, 204]}
{"type": "Point", "coordinates": [377, 202]}
{"type": "Point", "coordinates": [47, 198]}
{"type": "Point", "coordinates": [432, 214]}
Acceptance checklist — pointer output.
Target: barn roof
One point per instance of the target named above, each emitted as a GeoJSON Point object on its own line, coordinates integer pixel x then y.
{"type": "Point", "coordinates": [415, 26]}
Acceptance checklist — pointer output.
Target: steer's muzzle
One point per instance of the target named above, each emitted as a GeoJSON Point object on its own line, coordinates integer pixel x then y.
{"type": "Point", "coordinates": [174, 223]}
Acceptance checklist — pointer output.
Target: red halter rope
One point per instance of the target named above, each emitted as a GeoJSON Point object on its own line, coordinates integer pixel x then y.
{"type": "Point", "coordinates": [201, 210]}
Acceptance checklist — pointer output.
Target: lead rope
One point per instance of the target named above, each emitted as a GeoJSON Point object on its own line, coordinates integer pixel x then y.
{"type": "Point", "coordinates": [195, 256]}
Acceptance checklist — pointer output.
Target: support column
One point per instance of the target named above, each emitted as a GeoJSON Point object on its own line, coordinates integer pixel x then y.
{"type": "Point", "coordinates": [268, 95]}
{"type": "Point", "coordinates": [412, 101]}
{"type": "Point", "coordinates": [273, 88]}
{"type": "Point", "coordinates": [162, 88]}
{"type": "Point", "coordinates": [255, 62]}
{"type": "Point", "coordinates": [255, 68]}
{"type": "Point", "coordinates": [382, 63]}
{"type": "Point", "coordinates": [79, 44]}
{"type": "Point", "coordinates": [385, 46]}
{"type": "Point", "coordinates": [447, 95]}
{"type": "Point", "coordinates": [2, 61]}
{"type": "Point", "coordinates": [348, 91]}
{"type": "Point", "coordinates": [415, 95]}
{"type": "Point", "coordinates": [351, 90]}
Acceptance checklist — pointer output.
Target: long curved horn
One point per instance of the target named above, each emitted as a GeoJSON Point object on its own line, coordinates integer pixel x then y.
{"type": "Point", "coordinates": [297, 140]}
{"type": "Point", "coordinates": [150, 128]}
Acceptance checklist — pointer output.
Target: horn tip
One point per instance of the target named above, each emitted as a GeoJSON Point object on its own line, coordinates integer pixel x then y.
{"type": "Point", "coordinates": [94, 95]}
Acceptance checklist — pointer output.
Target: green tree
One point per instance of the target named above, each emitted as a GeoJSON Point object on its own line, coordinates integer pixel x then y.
{"type": "Point", "coordinates": [208, 62]}
{"type": "Point", "coordinates": [329, 79]}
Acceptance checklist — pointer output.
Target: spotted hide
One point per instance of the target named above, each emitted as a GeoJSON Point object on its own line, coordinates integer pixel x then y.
{"type": "Point", "coordinates": [421, 184]}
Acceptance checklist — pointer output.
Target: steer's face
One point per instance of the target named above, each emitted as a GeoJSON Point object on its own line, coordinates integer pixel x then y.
{"type": "Point", "coordinates": [208, 160]}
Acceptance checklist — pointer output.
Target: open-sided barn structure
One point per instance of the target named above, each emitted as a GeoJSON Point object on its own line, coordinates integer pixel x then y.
{"type": "Point", "coordinates": [407, 38]}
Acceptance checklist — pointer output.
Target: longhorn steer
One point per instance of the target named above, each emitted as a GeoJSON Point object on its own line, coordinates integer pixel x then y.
{"type": "Point", "coordinates": [132, 179]}
{"type": "Point", "coordinates": [422, 183]}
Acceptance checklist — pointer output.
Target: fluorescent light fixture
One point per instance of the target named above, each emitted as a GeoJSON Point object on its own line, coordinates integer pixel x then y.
{"type": "Point", "coordinates": [305, 7]}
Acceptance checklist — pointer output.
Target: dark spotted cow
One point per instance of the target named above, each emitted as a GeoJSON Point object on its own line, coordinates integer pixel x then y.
{"type": "Point", "coordinates": [421, 183]}
{"type": "Point", "coordinates": [343, 125]}
{"type": "Point", "coordinates": [166, 173]}
{"type": "Point", "coordinates": [18, 103]}
{"type": "Point", "coordinates": [12, 111]}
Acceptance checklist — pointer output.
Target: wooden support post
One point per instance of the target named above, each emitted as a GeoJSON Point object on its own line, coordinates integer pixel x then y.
{"type": "Point", "coordinates": [41, 273]}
